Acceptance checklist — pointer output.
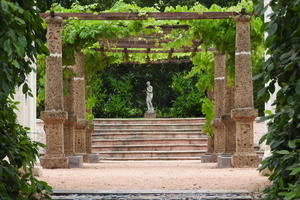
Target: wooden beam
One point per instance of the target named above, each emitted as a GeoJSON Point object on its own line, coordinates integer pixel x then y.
{"type": "Point", "coordinates": [138, 16]}
{"type": "Point", "coordinates": [139, 43]}
{"type": "Point", "coordinates": [162, 61]}
{"type": "Point", "coordinates": [187, 50]}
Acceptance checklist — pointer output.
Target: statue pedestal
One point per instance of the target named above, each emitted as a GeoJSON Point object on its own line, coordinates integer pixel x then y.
{"type": "Point", "coordinates": [150, 115]}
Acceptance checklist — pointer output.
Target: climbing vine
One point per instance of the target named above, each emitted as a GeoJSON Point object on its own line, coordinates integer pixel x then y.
{"type": "Point", "coordinates": [20, 42]}
{"type": "Point", "coordinates": [220, 34]}
{"type": "Point", "coordinates": [283, 68]}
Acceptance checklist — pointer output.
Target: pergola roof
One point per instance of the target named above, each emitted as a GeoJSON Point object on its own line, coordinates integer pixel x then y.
{"type": "Point", "coordinates": [145, 43]}
{"type": "Point", "coordinates": [139, 16]}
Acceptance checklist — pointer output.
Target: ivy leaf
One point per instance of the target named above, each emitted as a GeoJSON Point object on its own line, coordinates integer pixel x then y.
{"type": "Point", "coordinates": [282, 152]}
{"type": "Point", "coordinates": [292, 144]}
{"type": "Point", "coordinates": [298, 88]}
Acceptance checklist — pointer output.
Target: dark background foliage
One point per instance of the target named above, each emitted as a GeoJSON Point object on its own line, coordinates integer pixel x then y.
{"type": "Point", "coordinates": [120, 91]}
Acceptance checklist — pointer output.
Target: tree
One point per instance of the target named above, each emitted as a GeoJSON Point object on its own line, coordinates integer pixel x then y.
{"type": "Point", "coordinates": [20, 42]}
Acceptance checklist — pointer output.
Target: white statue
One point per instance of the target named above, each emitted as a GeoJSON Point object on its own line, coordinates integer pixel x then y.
{"type": "Point", "coordinates": [149, 92]}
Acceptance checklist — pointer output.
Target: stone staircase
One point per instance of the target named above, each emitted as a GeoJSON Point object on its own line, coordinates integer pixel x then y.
{"type": "Point", "coordinates": [149, 139]}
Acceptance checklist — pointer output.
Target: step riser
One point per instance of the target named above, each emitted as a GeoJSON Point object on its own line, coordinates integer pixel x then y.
{"type": "Point", "coordinates": [142, 142]}
{"type": "Point", "coordinates": [149, 121]}
{"type": "Point", "coordinates": [162, 148]}
{"type": "Point", "coordinates": [147, 136]}
{"type": "Point", "coordinates": [149, 155]}
{"type": "Point", "coordinates": [151, 159]}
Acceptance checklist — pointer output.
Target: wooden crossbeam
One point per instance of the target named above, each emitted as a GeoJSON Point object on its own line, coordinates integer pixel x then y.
{"type": "Point", "coordinates": [187, 50]}
{"type": "Point", "coordinates": [162, 61]}
{"type": "Point", "coordinates": [138, 16]}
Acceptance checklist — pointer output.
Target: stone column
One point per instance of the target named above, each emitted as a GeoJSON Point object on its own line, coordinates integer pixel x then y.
{"type": "Point", "coordinates": [219, 87]}
{"type": "Point", "coordinates": [79, 106]}
{"type": "Point", "coordinates": [229, 123]}
{"type": "Point", "coordinates": [243, 113]}
{"type": "Point", "coordinates": [70, 123]}
{"type": "Point", "coordinates": [54, 115]}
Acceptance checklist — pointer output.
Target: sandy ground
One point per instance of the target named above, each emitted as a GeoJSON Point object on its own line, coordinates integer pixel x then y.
{"type": "Point", "coordinates": [182, 175]}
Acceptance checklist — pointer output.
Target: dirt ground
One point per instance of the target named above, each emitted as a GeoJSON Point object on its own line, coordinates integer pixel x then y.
{"type": "Point", "coordinates": [175, 175]}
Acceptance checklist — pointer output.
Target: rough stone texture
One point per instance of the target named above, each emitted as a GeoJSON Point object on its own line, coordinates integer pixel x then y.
{"type": "Point", "coordinates": [149, 115]}
{"type": "Point", "coordinates": [224, 161]}
{"type": "Point", "coordinates": [210, 145]}
{"type": "Point", "coordinates": [219, 87]}
{"type": "Point", "coordinates": [54, 116]}
{"type": "Point", "coordinates": [243, 97]}
{"type": "Point", "coordinates": [79, 106]}
{"type": "Point", "coordinates": [230, 130]}
{"type": "Point", "coordinates": [75, 161]}
{"type": "Point", "coordinates": [69, 135]}
{"type": "Point", "coordinates": [243, 113]}
{"type": "Point", "coordinates": [54, 130]}
{"type": "Point", "coordinates": [245, 160]}
{"type": "Point", "coordinates": [51, 162]}
{"type": "Point", "coordinates": [80, 136]}
{"type": "Point", "coordinates": [69, 125]}
{"type": "Point", "coordinates": [89, 132]}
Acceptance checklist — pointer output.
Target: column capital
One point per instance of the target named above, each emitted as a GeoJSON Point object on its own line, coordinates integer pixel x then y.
{"type": "Point", "coordinates": [242, 18]}
{"type": "Point", "coordinates": [54, 20]}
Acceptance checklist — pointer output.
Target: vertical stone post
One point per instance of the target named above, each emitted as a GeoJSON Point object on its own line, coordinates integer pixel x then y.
{"type": "Point", "coordinates": [243, 113]}
{"type": "Point", "coordinates": [69, 126]}
{"type": "Point", "coordinates": [219, 87]}
{"type": "Point", "coordinates": [79, 106]}
{"type": "Point", "coordinates": [90, 127]}
{"type": "Point", "coordinates": [54, 115]}
{"type": "Point", "coordinates": [229, 123]}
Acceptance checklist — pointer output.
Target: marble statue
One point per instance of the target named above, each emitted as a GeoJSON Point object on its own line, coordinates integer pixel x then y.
{"type": "Point", "coordinates": [149, 97]}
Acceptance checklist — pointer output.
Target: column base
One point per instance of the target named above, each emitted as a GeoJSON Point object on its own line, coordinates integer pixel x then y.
{"type": "Point", "coordinates": [244, 160]}
{"type": "Point", "coordinates": [209, 158]}
{"type": "Point", "coordinates": [92, 158]}
{"type": "Point", "coordinates": [224, 161]}
{"type": "Point", "coordinates": [49, 162]}
{"type": "Point", "coordinates": [75, 161]}
{"type": "Point", "coordinates": [83, 155]}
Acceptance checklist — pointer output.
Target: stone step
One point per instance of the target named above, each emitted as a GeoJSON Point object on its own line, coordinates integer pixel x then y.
{"type": "Point", "coordinates": [202, 140]}
{"type": "Point", "coordinates": [147, 135]}
{"type": "Point", "coordinates": [198, 158]}
{"type": "Point", "coordinates": [149, 126]}
{"type": "Point", "coordinates": [152, 147]}
{"type": "Point", "coordinates": [150, 121]}
{"type": "Point", "coordinates": [146, 130]}
{"type": "Point", "coordinates": [149, 154]}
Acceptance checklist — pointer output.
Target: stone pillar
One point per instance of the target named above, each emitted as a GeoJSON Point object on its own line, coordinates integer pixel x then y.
{"type": "Point", "coordinates": [229, 123]}
{"type": "Point", "coordinates": [79, 106]}
{"type": "Point", "coordinates": [54, 115]}
{"type": "Point", "coordinates": [243, 113]}
{"type": "Point", "coordinates": [70, 123]}
{"type": "Point", "coordinates": [219, 87]}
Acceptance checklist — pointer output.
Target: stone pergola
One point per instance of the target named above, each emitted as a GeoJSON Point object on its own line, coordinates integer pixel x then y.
{"type": "Point", "coordinates": [67, 131]}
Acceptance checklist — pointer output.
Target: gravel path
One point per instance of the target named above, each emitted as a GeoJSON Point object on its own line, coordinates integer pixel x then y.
{"type": "Point", "coordinates": [179, 175]}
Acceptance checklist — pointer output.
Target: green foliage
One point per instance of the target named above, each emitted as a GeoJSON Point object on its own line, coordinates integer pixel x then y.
{"type": "Point", "coordinates": [283, 67]}
{"type": "Point", "coordinates": [20, 33]}
{"type": "Point", "coordinates": [104, 4]}
{"type": "Point", "coordinates": [188, 100]}
{"type": "Point", "coordinates": [208, 111]}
